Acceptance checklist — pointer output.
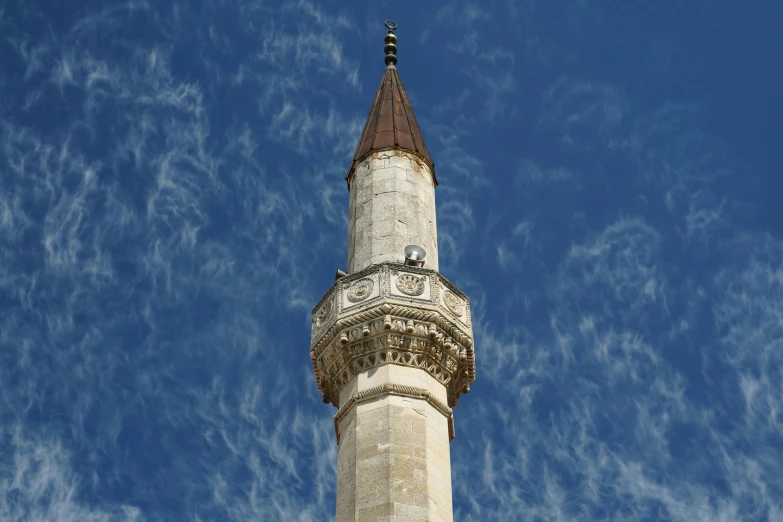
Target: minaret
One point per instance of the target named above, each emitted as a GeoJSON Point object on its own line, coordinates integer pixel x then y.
{"type": "Point", "coordinates": [392, 342]}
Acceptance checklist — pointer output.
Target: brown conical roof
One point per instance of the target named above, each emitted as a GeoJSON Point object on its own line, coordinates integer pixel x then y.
{"type": "Point", "coordinates": [391, 123]}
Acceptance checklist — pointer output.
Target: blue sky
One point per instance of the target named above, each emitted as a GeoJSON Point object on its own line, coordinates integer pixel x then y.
{"type": "Point", "coordinates": [172, 206]}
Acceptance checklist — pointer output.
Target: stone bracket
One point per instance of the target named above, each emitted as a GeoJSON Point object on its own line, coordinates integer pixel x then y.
{"type": "Point", "coordinates": [391, 313]}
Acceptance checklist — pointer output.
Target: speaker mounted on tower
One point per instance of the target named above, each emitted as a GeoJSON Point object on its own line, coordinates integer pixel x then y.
{"type": "Point", "coordinates": [414, 255]}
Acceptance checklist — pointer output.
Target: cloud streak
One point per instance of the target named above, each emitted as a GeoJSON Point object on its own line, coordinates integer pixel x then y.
{"type": "Point", "coordinates": [173, 204]}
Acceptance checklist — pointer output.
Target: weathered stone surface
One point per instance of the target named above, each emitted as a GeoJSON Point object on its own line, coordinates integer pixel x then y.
{"type": "Point", "coordinates": [393, 459]}
{"type": "Point", "coordinates": [392, 345]}
{"type": "Point", "coordinates": [393, 314]}
{"type": "Point", "coordinates": [391, 205]}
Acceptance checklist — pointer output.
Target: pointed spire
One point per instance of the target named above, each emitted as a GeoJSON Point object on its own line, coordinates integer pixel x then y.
{"type": "Point", "coordinates": [391, 123]}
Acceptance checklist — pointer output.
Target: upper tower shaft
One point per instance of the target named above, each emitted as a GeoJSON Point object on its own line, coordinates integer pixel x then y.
{"type": "Point", "coordinates": [391, 180]}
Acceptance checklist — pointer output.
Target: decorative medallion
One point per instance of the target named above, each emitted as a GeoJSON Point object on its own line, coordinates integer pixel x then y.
{"type": "Point", "coordinates": [360, 290]}
{"type": "Point", "coordinates": [453, 303]}
{"type": "Point", "coordinates": [409, 284]}
{"type": "Point", "coordinates": [323, 313]}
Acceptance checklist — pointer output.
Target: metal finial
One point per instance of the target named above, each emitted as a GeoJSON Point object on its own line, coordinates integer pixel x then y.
{"type": "Point", "coordinates": [391, 44]}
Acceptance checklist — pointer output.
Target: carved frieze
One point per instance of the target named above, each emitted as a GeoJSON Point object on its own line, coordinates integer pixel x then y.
{"type": "Point", "coordinates": [360, 290]}
{"type": "Point", "coordinates": [323, 315]}
{"type": "Point", "coordinates": [453, 303]}
{"type": "Point", "coordinates": [410, 284]}
{"type": "Point", "coordinates": [355, 292]}
{"type": "Point", "coordinates": [393, 314]}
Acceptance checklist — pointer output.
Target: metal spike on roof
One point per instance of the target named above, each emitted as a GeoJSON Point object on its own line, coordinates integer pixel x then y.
{"type": "Point", "coordinates": [391, 123]}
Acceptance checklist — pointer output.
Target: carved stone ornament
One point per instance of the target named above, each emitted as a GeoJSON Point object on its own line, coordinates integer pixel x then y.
{"type": "Point", "coordinates": [360, 290]}
{"type": "Point", "coordinates": [453, 303]}
{"type": "Point", "coordinates": [323, 313]}
{"type": "Point", "coordinates": [396, 338]}
{"type": "Point", "coordinates": [409, 284]}
{"type": "Point", "coordinates": [433, 333]}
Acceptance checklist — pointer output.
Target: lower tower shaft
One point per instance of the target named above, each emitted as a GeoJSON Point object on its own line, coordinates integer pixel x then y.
{"type": "Point", "coordinates": [392, 348]}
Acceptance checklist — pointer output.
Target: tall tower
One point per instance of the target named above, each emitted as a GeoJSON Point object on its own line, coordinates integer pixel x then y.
{"type": "Point", "coordinates": [392, 342]}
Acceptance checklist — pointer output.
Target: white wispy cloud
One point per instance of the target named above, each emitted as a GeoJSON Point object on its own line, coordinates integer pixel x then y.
{"type": "Point", "coordinates": [172, 195]}
{"type": "Point", "coordinates": [584, 111]}
{"type": "Point", "coordinates": [38, 484]}
{"type": "Point", "coordinates": [173, 214]}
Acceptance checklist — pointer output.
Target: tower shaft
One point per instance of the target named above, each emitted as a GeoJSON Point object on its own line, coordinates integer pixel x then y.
{"type": "Point", "coordinates": [393, 460]}
{"type": "Point", "coordinates": [392, 342]}
{"type": "Point", "coordinates": [392, 348]}
{"type": "Point", "coordinates": [391, 205]}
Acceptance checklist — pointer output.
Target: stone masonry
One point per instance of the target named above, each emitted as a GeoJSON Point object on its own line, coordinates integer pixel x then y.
{"type": "Point", "coordinates": [392, 343]}
{"type": "Point", "coordinates": [391, 205]}
{"type": "Point", "coordinates": [393, 458]}
{"type": "Point", "coordinates": [392, 348]}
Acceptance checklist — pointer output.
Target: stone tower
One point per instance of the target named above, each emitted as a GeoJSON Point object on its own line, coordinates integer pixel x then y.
{"type": "Point", "coordinates": [392, 342]}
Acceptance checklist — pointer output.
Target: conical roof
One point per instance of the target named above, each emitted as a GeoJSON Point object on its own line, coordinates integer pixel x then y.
{"type": "Point", "coordinates": [391, 123]}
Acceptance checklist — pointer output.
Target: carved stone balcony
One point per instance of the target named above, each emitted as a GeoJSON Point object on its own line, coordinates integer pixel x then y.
{"type": "Point", "coordinates": [393, 314]}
